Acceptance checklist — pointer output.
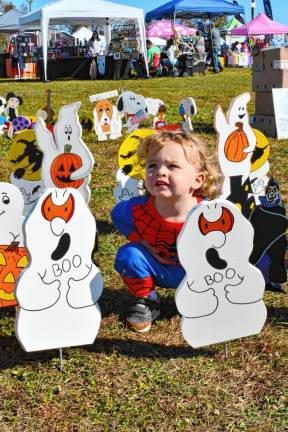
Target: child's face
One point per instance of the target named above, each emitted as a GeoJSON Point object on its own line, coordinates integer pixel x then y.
{"type": "Point", "coordinates": [169, 174]}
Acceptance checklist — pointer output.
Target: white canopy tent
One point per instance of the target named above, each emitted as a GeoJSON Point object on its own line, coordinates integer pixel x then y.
{"type": "Point", "coordinates": [86, 12]}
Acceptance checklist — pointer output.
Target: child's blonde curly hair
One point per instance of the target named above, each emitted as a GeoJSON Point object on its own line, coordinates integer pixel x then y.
{"type": "Point", "coordinates": [196, 153]}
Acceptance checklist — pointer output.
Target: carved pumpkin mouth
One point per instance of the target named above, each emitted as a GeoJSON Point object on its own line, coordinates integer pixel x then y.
{"type": "Point", "coordinates": [64, 179]}
{"type": "Point", "coordinates": [62, 247]}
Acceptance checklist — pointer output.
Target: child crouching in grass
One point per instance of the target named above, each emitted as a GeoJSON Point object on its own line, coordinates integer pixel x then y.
{"type": "Point", "coordinates": [179, 174]}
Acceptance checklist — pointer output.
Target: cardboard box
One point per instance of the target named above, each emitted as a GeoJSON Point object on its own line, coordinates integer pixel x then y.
{"type": "Point", "coordinates": [267, 80]}
{"type": "Point", "coordinates": [264, 60]}
{"type": "Point", "coordinates": [265, 124]}
{"type": "Point", "coordinates": [264, 103]}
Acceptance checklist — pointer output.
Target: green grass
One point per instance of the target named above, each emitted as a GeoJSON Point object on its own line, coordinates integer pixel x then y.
{"type": "Point", "coordinates": [153, 382]}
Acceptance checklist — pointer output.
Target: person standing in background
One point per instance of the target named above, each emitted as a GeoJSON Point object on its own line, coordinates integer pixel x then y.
{"type": "Point", "coordinates": [215, 49]}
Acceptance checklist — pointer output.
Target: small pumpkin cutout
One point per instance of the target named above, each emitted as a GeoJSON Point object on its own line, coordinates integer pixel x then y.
{"type": "Point", "coordinates": [236, 142]}
{"type": "Point", "coordinates": [12, 261]}
{"type": "Point", "coordinates": [63, 166]}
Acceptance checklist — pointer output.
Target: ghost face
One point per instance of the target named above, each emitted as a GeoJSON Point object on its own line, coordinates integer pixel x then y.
{"type": "Point", "coordinates": [67, 129]}
{"type": "Point", "coordinates": [238, 109]}
{"type": "Point", "coordinates": [11, 203]}
{"type": "Point", "coordinates": [4, 203]}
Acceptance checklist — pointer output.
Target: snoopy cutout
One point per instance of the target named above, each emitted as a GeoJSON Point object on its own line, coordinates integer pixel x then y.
{"type": "Point", "coordinates": [67, 161]}
{"type": "Point", "coordinates": [133, 107]}
{"type": "Point", "coordinates": [220, 297]}
{"type": "Point", "coordinates": [187, 109]}
{"type": "Point", "coordinates": [13, 256]}
{"type": "Point", "coordinates": [59, 291]}
{"type": "Point", "coordinates": [236, 140]}
{"type": "Point", "coordinates": [106, 120]}
{"type": "Point", "coordinates": [127, 187]}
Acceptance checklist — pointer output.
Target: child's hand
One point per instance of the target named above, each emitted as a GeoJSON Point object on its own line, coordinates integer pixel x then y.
{"type": "Point", "coordinates": [155, 253]}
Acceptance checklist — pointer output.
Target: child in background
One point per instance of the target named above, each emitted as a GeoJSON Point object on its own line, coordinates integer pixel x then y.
{"type": "Point", "coordinates": [178, 175]}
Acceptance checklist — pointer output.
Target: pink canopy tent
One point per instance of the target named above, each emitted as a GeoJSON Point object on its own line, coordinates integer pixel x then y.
{"type": "Point", "coordinates": [261, 25]}
{"type": "Point", "coordinates": [164, 29]}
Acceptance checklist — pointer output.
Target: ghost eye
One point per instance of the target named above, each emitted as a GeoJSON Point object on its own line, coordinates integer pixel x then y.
{"type": "Point", "coordinates": [70, 129]}
{"type": "Point", "coordinates": [6, 200]}
{"type": "Point", "coordinates": [66, 130]}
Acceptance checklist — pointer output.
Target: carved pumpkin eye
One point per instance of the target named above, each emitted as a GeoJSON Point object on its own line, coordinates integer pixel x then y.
{"type": "Point", "coordinates": [61, 168]}
{"type": "Point", "coordinates": [5, 199]}
{"type": "Point", "coordinates": [72, 168]}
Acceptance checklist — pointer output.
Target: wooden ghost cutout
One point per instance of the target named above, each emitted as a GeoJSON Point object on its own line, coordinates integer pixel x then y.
{"type": "Point", "coordinates": [236, 140]}
{"type": "Point", "coordinates": [67, 161]}
{"type": "Point", "coordinates": [59, 291]}
{"type": "Point", "coordinates": [187, 109]}
{"type": "Point", "coordinates": [220, 297]}
{"type": "Point", "coordinates": [13, 256]}
{"type": "Point", "coordinates": [126, 188]}
{"type": "Point", "coordinates": [259, 166]}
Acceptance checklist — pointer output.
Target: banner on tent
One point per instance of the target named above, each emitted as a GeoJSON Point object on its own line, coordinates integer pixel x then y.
{"type": "Point", "coordinates": [268, 9]}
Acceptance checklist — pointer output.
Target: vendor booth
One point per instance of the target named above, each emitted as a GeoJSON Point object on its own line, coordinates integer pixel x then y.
{"type": "Point", "coordinates": [96, 13]}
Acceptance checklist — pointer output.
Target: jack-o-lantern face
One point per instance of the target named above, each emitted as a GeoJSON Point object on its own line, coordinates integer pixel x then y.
{"type": "Point", "coordinates": [12, 262]}
{"type": "Point", "coordinates": [63, 166]}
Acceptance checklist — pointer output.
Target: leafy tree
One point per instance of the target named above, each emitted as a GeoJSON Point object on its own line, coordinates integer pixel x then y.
{"type": "Point", "coordinates": [6, 6]}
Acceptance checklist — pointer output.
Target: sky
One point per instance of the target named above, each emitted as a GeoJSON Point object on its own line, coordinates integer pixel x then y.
{"type": "Point", "coordinates": [279, 7]}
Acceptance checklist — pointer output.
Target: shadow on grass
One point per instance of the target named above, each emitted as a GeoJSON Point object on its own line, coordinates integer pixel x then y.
{"type": "Point", "coordinates": [143, 349]}
{"type": "Point", "coordinates": [277, 316]}
{"type": "Point", "coordinates": [105, 227]}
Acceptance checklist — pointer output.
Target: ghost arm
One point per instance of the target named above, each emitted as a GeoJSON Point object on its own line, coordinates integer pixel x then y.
{"type": "Point", "coordinates": [85, 290]}
{"type": "Point", "coordinates": [246, 287]}
{"type": "Point", "coordinates": [220, 121]}
{"type": "Point", "coordinates": [193, 303]}
{"type": "Point", "coordinates": [44, 137]}
{"type": "Point", "coordinates": [87, 164]}
{"type": "Point", "coordinates": [36, 292]}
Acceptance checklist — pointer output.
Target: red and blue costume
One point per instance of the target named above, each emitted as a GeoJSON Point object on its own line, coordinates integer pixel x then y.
{"type": "Point", "coordinates": [139, 220]}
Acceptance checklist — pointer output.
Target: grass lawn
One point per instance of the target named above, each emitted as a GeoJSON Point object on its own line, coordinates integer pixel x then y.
{"type": "Point", "coordinates": [153, 382]}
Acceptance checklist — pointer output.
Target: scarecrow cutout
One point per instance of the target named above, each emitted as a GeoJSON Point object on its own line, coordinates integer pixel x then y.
{"type": "Point", "coordinates": [67, 162]}
{"type": "Point", "coordinates": [270, 225]}
{"type": "Point", "coordinates": [187, 109]}
{"type": "Point", "coordinates": [59, 291]}
{"type": "Point", "coordinates": [126, 188]}
{"type": "Point", "coordinates": [25, 161]}
{"type": "Point", "coordinates": [107, 120]}
{"type": "Point", "coordinates": [220, 297]}
{"type": "Point", "coordinates": [236, 142]}
{"type": "Point", "coordinates": [13, 256]}
{"type": "Point", "coordinates": [133, 108]}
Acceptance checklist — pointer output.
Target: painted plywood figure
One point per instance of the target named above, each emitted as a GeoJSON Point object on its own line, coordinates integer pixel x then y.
{"type": "Point", "coordinates": [17, 122]}
{"type": "Point", "coordinates": [25, 161]}
{"type": "Point", "coordinates": [13, 255]}
{"type": "Point", "coordinates": [187, 109]}
{"type": "Point", "coordinates": [128, 160]}
{"type": "Point", "coordinates": [67, 161]}
{"type": "Point", "coordinates": [236, 141]}
{"type": "Point", "coordinates": [259, 166]}
{"type": "Point", "coordinates": [220, 297]}
{"type": "Point", "coordinates": [270, 225]}
{"type": "Point", "coordinates": [107, 121]}
{"type": "Point", "coordinates": [127, 187]}
{"type": "Point", "coordinates": [133, 108]}
{"type": "Point", "coordinates": [59, 291]}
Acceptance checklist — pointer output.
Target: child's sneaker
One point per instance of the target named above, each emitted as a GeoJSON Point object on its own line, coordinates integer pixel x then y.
{"type": "Point", "coordinates": [142, 314]}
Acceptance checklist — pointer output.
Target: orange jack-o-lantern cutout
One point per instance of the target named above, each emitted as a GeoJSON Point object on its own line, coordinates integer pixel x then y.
{"type": "Point", "coordinates": [63, 166]}
{"type": "Point", "coordinates": [64, 211]}
{"type": "Point", "coordinates": [224, 223]}
{"type": "Point", "coordinates": [12, 262]}
{"type": "Point", "coordinates": [236, 142]}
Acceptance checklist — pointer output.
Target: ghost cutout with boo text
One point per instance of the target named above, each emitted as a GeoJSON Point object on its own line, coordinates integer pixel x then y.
{"type": "Point", "coordinates": [236, 141]}
{"type": "Point", "coordinates": [220, 298]}
{"type": "Point", "coordinates": [67, 161]}
{"type": "Point", "coordinates": [58, 292]}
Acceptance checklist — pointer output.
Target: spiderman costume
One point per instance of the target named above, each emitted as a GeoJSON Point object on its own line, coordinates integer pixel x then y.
{"type": "Point", "coordinates": [139, 220]}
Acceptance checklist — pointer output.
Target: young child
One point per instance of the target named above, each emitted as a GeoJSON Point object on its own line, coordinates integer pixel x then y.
{"type": "Point", "coordinates": [178, 175]}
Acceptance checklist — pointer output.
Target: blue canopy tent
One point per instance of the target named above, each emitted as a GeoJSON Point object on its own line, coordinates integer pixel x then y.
{"type": "Point", "coordinates": [194, 8]}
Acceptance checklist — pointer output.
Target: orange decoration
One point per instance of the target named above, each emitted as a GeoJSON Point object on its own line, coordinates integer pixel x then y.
{"type": "Point", "coordinates": [12, 261]}
{"type": "Point", "coordinates": [63, 166]}
{"type": "Point", "coordinates": [65, 211]}
{"type": "Point", "coordinates": [236, 142]}
{"type": "Point", "coordinates": [224, 223]}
